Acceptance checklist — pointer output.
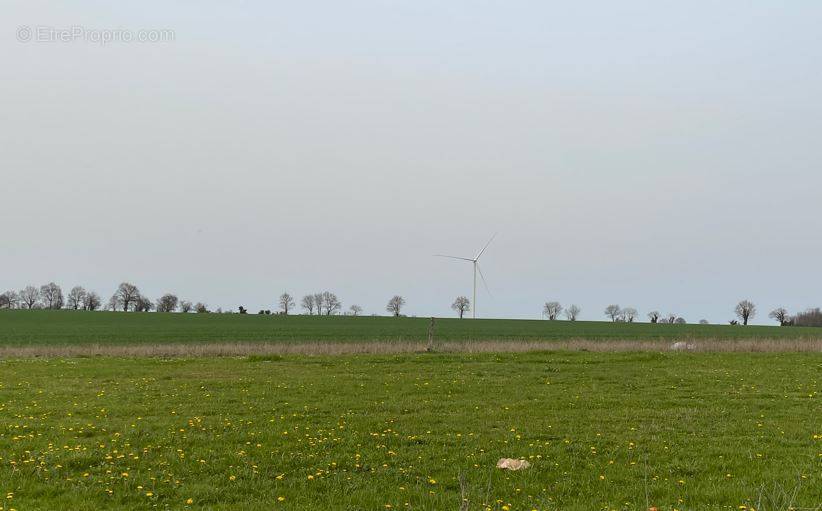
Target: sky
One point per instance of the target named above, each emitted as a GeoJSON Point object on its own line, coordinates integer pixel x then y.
{"type": "Point", "coordinates": [654, 154]}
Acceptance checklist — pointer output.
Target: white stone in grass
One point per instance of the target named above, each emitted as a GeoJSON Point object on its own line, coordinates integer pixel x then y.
{"type": "Point", "coordinates": [512, 464]}
{"type": "Point", "coordinates": [682, 346]}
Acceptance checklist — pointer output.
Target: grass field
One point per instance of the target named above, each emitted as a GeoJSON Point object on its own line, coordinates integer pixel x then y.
{"type": "Point", "coordinates": [22, 328]}
{"type": "Point", "coordinates": [602, 431]}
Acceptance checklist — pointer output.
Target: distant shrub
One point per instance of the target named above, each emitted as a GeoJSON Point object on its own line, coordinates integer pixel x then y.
{"type": "Point", "coordinates": [811, 317]}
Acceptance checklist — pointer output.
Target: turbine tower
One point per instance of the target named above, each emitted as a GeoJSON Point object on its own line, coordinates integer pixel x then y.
{"type": "Point", "coordinates": [477, 269]}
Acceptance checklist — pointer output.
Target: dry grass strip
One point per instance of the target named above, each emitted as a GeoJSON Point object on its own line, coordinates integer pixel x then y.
{"type": "Point", "coordinates": [352, 348]}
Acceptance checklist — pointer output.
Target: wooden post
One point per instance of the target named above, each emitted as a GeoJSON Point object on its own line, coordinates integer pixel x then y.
{"type": "Point", "coordinates": [430, 347]}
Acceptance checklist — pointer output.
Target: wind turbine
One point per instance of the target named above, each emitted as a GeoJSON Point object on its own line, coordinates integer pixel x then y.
{"type": "Point", "coordinates": [477, 269]}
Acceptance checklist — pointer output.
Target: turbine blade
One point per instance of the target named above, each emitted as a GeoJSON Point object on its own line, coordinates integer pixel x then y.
{"type": "Point", "coordinates": [486, 246]}
{"type": "Point", "coordinates": [453, 257]}
{"type": "Point", "coordinates": [485, 284]}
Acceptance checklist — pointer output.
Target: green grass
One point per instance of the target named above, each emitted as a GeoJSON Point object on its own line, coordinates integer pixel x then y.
{"type": "Point", "coordinates": [71, 327]}
{"type": "Point", "coordinates": [603, 431]}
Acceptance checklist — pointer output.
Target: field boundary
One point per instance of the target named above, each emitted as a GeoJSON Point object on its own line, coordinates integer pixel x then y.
{"type": "Point", "coordinates": [239, 349]}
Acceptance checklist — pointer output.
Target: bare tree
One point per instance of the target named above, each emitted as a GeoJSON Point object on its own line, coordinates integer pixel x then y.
{"type": "Point", "coordinates": [143, 304]}
{"type": "Point", "coordinates": [112, 304]}
{"type": "Point", "coordinates": [613, 312]}
{"type": "Point", "coordinates": [201, 308]}
{"type": "Point", "coordinates": [9, 300]}
{"type": "Point", "coordinates": [318, 303]}
{"type": "Point", "coordinates": [167, 303]}
{"type": "Point", "coordinates": [331, 303]}
{"type": "Point", "coordinates": [745, 310]}
{"type": "Point", "coordinates": [572, 312]}
{"type": "Point", "coordinates": [76, 297]}
{"type": "Point", "coordinates": [462, 305]}
{"type": "Point", "coordinates": [186, 306]}
{"type": "Point", "coordinates": [92, 301]}
{"type": "Point", "coordinates": [680, 321]}
{"type": "Point", "coordinates": [671, 318]}
{"type": "Point", "coordinates": [629, 314]}
{"type": "Point", "coordinates": [811, 317]}
{"type": "Point", "coordinates": [552, 310]}
{"type": "Point", "coordinates": [355, 310]}
{"type": "Point", "coordinates": [654, 316]}
{"type": "Point", "coordinates": [286, 303]}
{"type": "Point", "coordinates": [394, 305]}
{"type": "Point", "coordinates": [307, 303]}
{"type": "Point", "coordinates": [126, 295]}
{"type": "Point", "coordinates": [780, 314]}
{"type": "Point", "coordinates": [52, 296]}
{"type": "Point", "coordinates": [29, 296]}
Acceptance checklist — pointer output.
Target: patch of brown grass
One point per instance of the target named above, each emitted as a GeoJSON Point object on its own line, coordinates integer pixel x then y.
{"type": "Point", "coordinates": [332, 348]}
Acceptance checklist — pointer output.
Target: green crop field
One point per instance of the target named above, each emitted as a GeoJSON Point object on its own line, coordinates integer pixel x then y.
{"type": "Point", "coordinates": [415, 431]}
{"type": "Point", "coordinates": [73, 327]}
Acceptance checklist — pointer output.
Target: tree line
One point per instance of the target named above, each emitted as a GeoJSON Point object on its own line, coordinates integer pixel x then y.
{"type": "Point", "coordinates": [129, 298]}
{"type": "Point", "coordinates": [744, 311]}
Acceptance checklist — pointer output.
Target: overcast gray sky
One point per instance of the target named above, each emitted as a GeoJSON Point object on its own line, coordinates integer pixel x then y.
{"type": "Point", "coordinates": [661, 155]}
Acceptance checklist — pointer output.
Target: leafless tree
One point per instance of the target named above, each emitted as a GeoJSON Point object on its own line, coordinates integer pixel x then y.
{"type": "Point", "coordinates": [112, 304]}
{"type": "Point", "coordinates": [355, 310]}
{"type": "Point", "coordinates": [811, 317]}
{"type": "Point", "coordinates": [552, 310]}
{"type": "Point", "coordinates": [330, 303]}
{"type": "Point", "coordinates": [286, 303]}
{"type": "Point", "coordinates": [572, 312]}
{"type": "Point", "coordinates": [186, 306]}
{"type": "Point", "coordinates": [394, 305]}
{"type": "Point", "coordinates": [201, 308]}
{"type": "Point", "coordinates": [75, 297]}
{"type": "Point", "coordinates": [613, 312]}
{"type": "Point", "coordinates": [680, 321]}
{"type": "Point", "coordinates": [654, 316]}
{"type": "Point", "coordinates": [671, 318]}
{"type": "Point", "coordinates": [167, 303]}
{"type": "Point", "coordinates": [143, 304]}
{"type": "Point", "coordinates": [745, 310]}
{"type": "Point", "coordinates": [462, 305]}
{"type": "Point", "coordinates": [629, 314]}
{"type": "Point", "coordinates": [29, 296]}
{"type": "Point", "coordinates": [307, 303]}
{"type": "Point", "coordinates": [52, 296]}
{"type": "Point", "coordinates": [779, 314]}
{"type": "Point", "coordinates": [9, 300]}
{"type": "Point", "coordinates": [318, 303]}
{"type": "Point", "coordinates": [126, 295]}
{"type": "Point", "coordinates": [92, 301]}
